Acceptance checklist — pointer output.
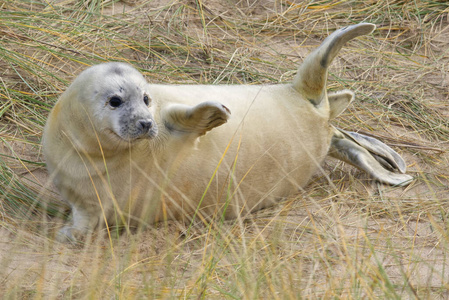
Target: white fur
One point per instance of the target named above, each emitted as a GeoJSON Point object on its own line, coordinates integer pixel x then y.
{"type": "Point", "coordinates": [190, 163]}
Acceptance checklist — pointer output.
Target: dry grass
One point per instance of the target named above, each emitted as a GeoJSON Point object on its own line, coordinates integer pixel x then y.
{"type": "Point", "coordinates": [344, 236]}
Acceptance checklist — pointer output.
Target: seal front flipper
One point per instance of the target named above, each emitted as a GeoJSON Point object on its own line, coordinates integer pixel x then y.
{"type": "Point", "coordinates": [369, 155]}
{"type": "Point", "coordinates": [197, 119]}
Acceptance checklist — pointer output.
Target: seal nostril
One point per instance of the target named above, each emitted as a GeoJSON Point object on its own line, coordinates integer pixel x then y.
{"type": "Point", "coordinates": [144, 125]}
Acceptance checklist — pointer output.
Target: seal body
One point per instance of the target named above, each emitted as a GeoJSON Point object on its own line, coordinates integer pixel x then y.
{"type": "Point", "coordinates": [125, 152]}
{"type": "Point", "coordinates": [256, 158]}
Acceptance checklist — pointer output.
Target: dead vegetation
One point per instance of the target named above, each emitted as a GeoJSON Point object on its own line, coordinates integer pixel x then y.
{"type": "Point", "coordinates": [344, 236]}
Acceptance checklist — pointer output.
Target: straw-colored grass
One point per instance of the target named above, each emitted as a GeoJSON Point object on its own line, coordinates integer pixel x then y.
{"type": "Point", "coordinates": [343, 236]}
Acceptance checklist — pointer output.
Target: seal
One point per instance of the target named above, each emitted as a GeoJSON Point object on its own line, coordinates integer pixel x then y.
{"type": "Point", "coordinates": [123, 152]}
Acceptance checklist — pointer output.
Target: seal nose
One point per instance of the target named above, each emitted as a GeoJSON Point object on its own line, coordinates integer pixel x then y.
{"type": "Point", "coordinates": [144, 125]}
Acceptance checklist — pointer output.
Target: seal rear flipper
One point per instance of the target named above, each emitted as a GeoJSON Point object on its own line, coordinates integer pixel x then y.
{"type": "Point", "coordinates": [371, 156]}
{"type": "Point", "coordinates": [383, 153]}
{"type": "Point", "coordinates": [312, 74]}
{"type": "Point", "coordinates": [197, 119]}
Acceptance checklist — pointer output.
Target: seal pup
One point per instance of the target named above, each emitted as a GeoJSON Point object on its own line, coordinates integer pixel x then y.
{"type": "Point", "coordinates": [125, 152]}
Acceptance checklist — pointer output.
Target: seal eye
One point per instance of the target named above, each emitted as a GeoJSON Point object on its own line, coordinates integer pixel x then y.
{"type": "Point", "coordinates": [115, 101]}
{"type": "Point", "coordinates": [146, 99]}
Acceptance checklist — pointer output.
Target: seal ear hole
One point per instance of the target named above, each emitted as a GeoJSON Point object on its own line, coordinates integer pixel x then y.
{"type": "Point", "coordinates": [146, 100]}
{"type": "Point", "coordinates": [115, 101]}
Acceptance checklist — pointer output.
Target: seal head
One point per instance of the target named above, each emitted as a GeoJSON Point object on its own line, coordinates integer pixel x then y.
{"type": "Point", "coordinates": [118, 98]}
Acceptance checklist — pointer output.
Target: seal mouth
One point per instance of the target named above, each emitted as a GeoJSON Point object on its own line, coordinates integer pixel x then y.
{"type": "Point", "coordinates": [151, 134]}
{"type": "Point", "coordinates": [148, 136]}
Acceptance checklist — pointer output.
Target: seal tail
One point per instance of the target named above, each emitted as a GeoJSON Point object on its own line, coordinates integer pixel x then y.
{"type": "Point", "coordinates": [312, 74]}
